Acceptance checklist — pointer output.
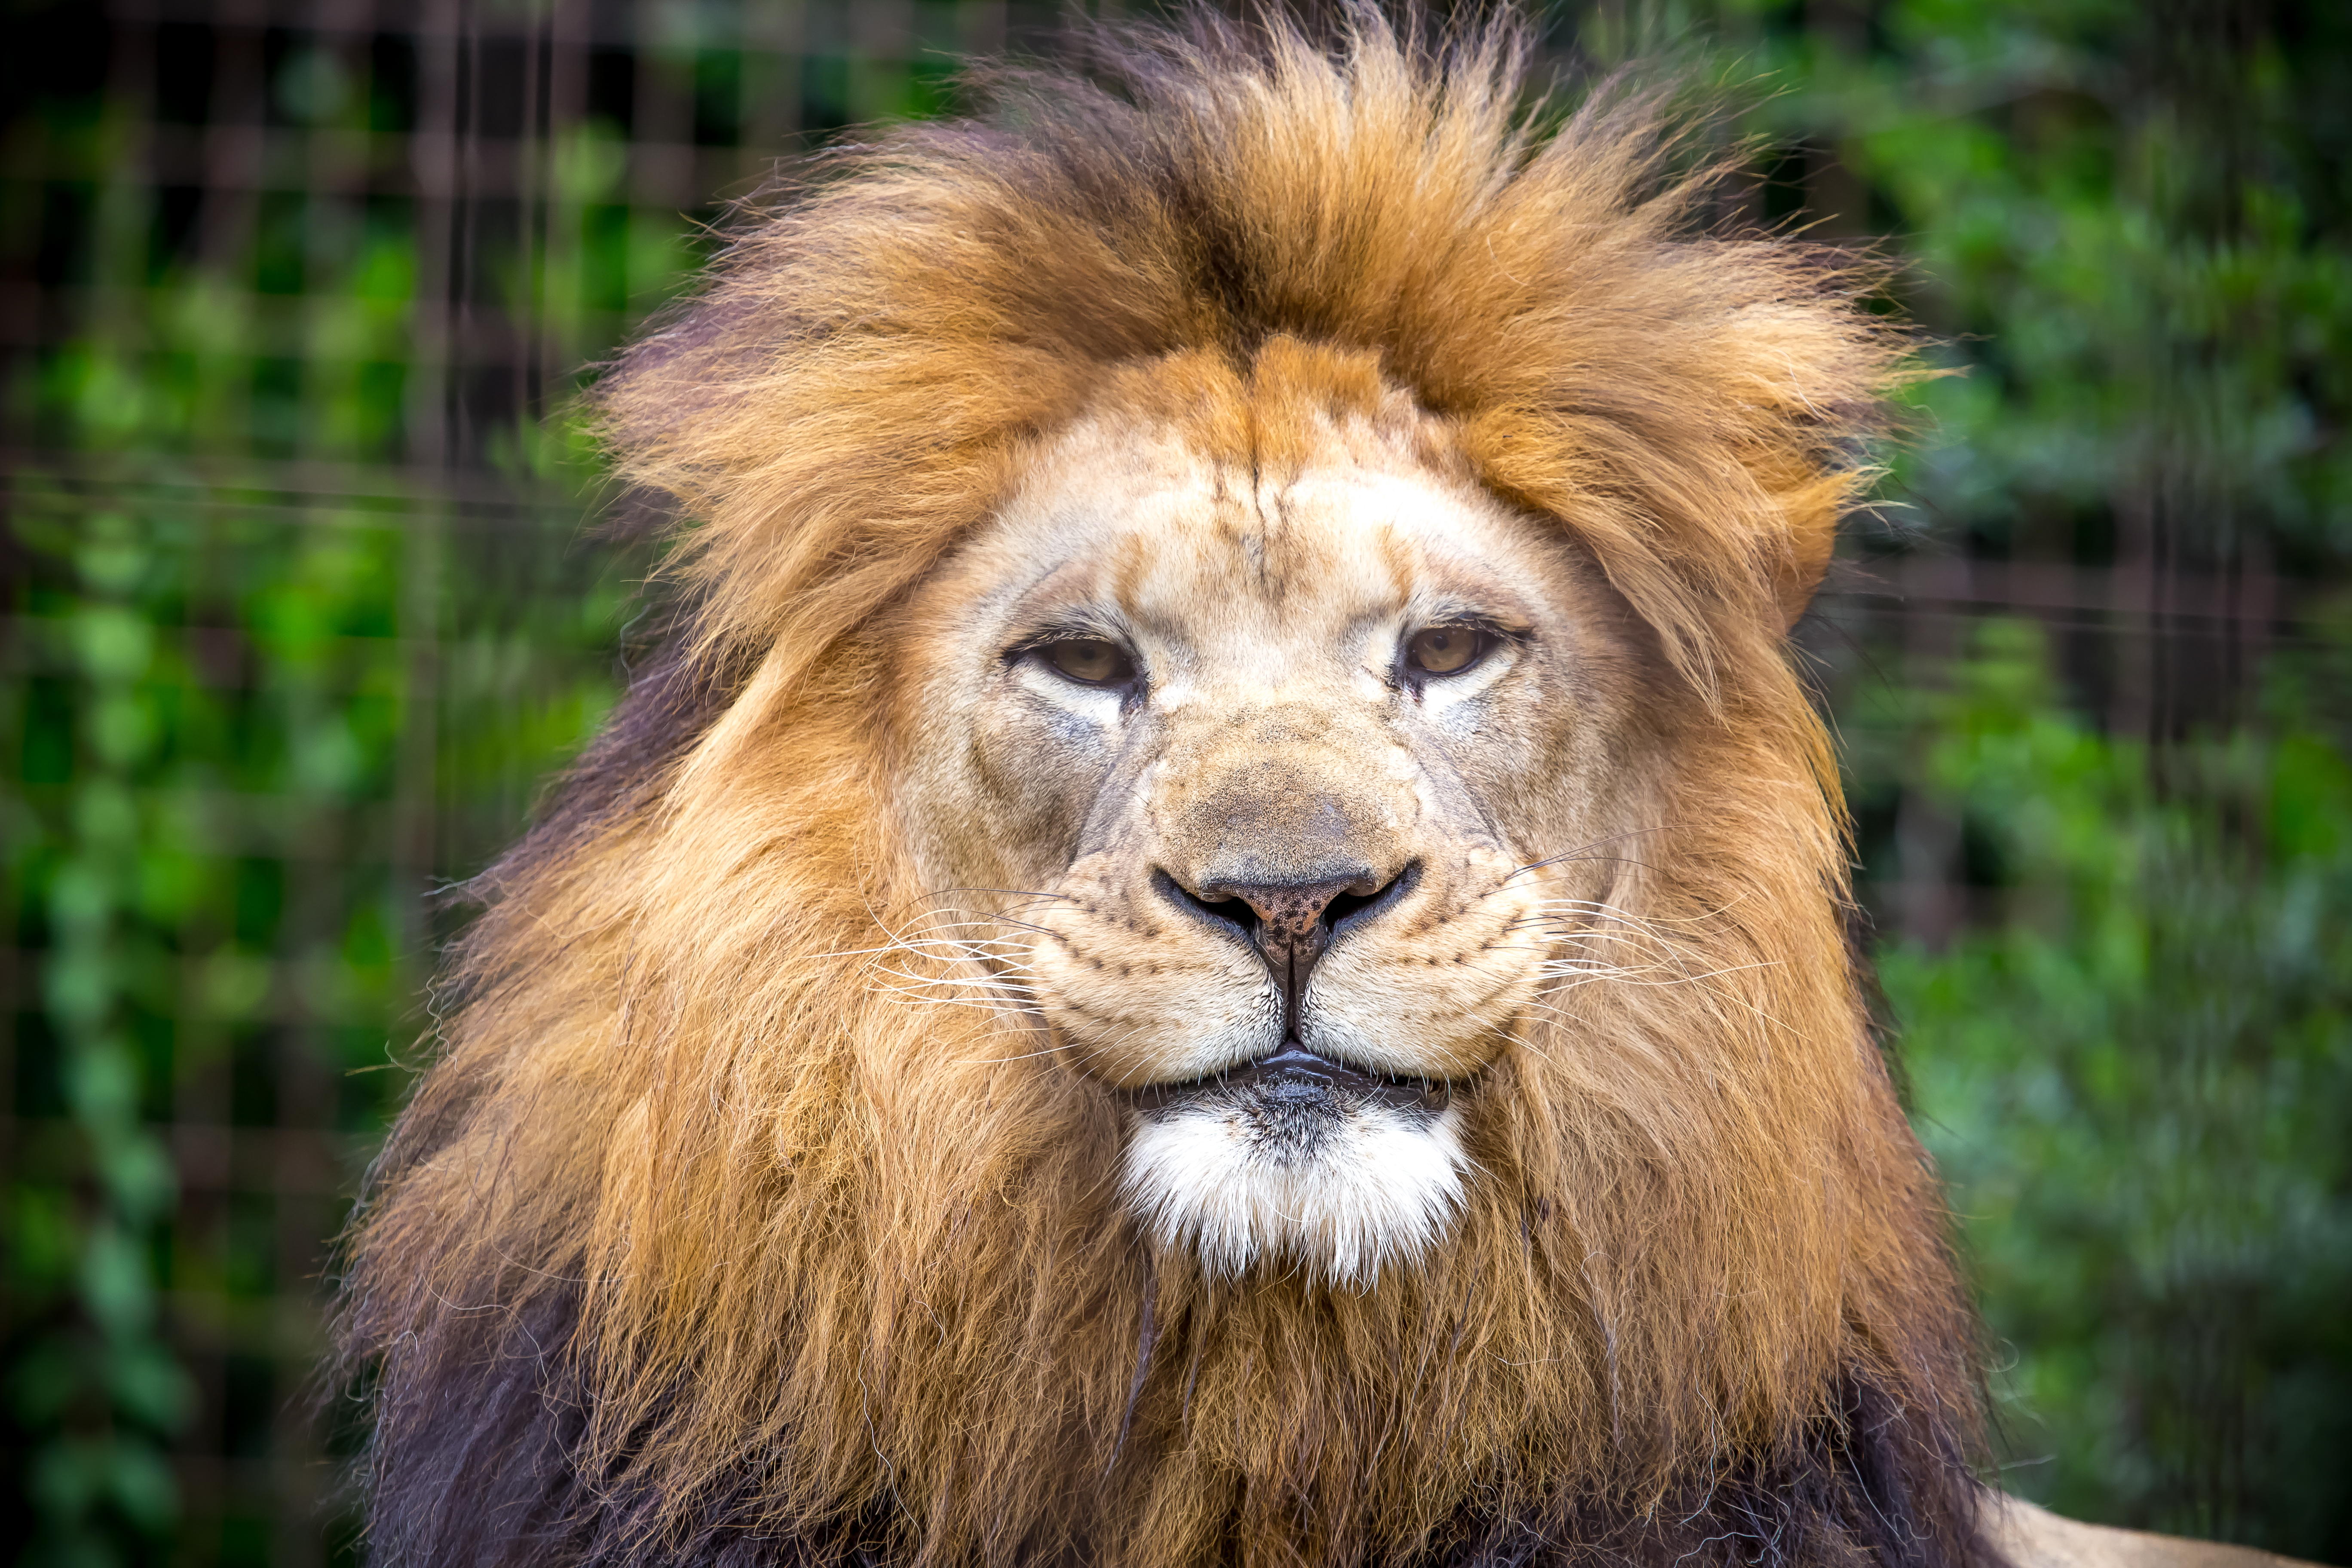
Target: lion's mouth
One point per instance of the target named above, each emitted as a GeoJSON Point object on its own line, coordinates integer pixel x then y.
{"type": "Point", "coordinates": [1295, 1078]}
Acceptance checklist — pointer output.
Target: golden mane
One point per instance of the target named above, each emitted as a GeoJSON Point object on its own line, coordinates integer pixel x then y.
{"type": "Point", "coordinates": [696, 1244]}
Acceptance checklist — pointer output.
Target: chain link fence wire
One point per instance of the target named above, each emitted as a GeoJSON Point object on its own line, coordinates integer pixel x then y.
{"type": "Point", "coordinates": [301, 614]}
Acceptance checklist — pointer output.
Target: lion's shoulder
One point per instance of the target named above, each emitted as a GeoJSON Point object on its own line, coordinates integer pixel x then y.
{"type": "Point", "coordinates": [2032, 1537]}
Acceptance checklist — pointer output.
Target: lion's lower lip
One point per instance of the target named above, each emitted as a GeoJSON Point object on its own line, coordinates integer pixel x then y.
{"type": "Point", "coordinates": [1295, 1072]}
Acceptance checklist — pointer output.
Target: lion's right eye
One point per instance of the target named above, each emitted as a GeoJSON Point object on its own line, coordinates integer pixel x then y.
{"type": "Point", "coordinates": [1090, 662]}
{"type": "Point", "coordinates": [1445, 650]}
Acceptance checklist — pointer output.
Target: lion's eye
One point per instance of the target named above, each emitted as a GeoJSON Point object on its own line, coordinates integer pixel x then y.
{"type": "Point", "coordinates": [1444, 650]}
{"type": "Point", "coordinates": [1090, 662]}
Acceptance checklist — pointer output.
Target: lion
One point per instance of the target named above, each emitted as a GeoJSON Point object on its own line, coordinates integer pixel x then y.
{"type": "Point", "coordinates": [1219, 933]}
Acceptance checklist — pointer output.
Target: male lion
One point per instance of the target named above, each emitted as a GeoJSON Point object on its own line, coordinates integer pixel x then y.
{"type": "Point", "coordinates": [1219, 937]}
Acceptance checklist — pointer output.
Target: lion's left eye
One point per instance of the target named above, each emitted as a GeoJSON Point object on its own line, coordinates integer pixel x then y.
{"type": "Point", "coordinates": [1445, 650]}
{"type": "Point", "coordinates": [1090, 662]}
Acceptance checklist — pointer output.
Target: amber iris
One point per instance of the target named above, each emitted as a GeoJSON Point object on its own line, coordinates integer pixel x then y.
{"type": "Point", "coordinates": [1091, 662]}
{"type": "Point", "coordinates": [1444, 650]}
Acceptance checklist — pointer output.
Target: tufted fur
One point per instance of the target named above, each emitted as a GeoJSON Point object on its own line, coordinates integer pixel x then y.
{"type": "Point", "coordinates": [695, 1244]}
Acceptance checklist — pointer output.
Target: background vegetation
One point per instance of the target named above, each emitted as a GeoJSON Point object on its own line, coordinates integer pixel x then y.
{"type": "Point", "coordinates": [299, 609]}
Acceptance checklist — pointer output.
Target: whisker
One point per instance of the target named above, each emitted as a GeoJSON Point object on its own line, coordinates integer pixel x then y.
{"type": "Point", "coordinates": [1585, 852]}
{"type": "Point", "coordinates": [1006, 892]}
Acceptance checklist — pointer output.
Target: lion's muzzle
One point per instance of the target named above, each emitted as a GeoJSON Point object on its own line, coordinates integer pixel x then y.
{"type": "Point", "coordinates": [1290, 958]}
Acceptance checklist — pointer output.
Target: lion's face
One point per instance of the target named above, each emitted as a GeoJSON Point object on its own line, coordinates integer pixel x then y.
{"type": "Point", "coordinates": [1263, 730]}
{"type": "Point", "coordinates": [1262, 582]}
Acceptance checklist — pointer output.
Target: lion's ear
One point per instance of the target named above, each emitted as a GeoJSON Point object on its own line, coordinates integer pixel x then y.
{"type": "Point", "coordinates": [1812, 511]}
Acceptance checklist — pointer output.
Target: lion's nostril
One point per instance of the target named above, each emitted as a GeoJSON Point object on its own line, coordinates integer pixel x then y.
{"type": "Point", "coordinates": [1351, 910]}
{"type": "Point", "coordinates": [1228, 917]}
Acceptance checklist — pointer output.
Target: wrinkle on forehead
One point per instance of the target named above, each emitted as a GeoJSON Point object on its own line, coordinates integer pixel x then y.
{"type": "Point", "coordinates": [1304, 489]}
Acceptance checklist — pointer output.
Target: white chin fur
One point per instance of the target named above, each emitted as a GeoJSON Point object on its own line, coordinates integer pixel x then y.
{"type": "Point", "coordinates": [1376, 1189]}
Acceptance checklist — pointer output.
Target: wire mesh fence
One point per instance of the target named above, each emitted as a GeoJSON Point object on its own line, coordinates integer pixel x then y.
{"type": "Point", "coordinates": [301, 612]}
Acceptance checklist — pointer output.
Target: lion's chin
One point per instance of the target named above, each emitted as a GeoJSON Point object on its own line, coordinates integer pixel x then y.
{"type": "Point", "coordinates": [1296, 1162]}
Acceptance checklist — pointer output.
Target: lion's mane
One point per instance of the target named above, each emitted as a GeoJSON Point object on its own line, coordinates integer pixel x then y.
{"type": "Point", "coordinates": [695, 1244]}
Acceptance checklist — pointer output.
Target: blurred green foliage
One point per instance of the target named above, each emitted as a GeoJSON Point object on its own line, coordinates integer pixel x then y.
{"type": "Point", "coordinates": [266, 677]}
{"type": "Point", "coordinates": [264, 685]}
{"type": "Point", "coordinates": [2127, 222]}
{"type": "Point", "coordinates": [2137, 1083]}
{"type": "Point", "coordinates": [96, 879]}
{"type": "Point", "coordinates": [2127, 225]}
{"type": "Point", "coordinates": [206, 867]}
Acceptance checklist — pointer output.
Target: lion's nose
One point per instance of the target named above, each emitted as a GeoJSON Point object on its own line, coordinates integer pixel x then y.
{"type": "Point", "coordinates": [1291, 923]}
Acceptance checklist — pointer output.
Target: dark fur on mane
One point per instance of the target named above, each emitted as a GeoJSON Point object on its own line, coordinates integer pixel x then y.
{"type": "Point", "coordinates": [493, 1481]}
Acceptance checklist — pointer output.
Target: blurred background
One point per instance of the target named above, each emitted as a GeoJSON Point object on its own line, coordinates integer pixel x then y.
{"type": "Point", "coordinates": [303, 603]}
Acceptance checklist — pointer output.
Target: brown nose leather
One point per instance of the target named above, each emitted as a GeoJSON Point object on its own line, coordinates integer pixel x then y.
{"type": "Point", "coordinates": [1291, 932]}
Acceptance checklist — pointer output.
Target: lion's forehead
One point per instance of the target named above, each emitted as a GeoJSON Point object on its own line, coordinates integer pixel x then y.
{"type": "Point", "coordinates": [1202, 552]}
